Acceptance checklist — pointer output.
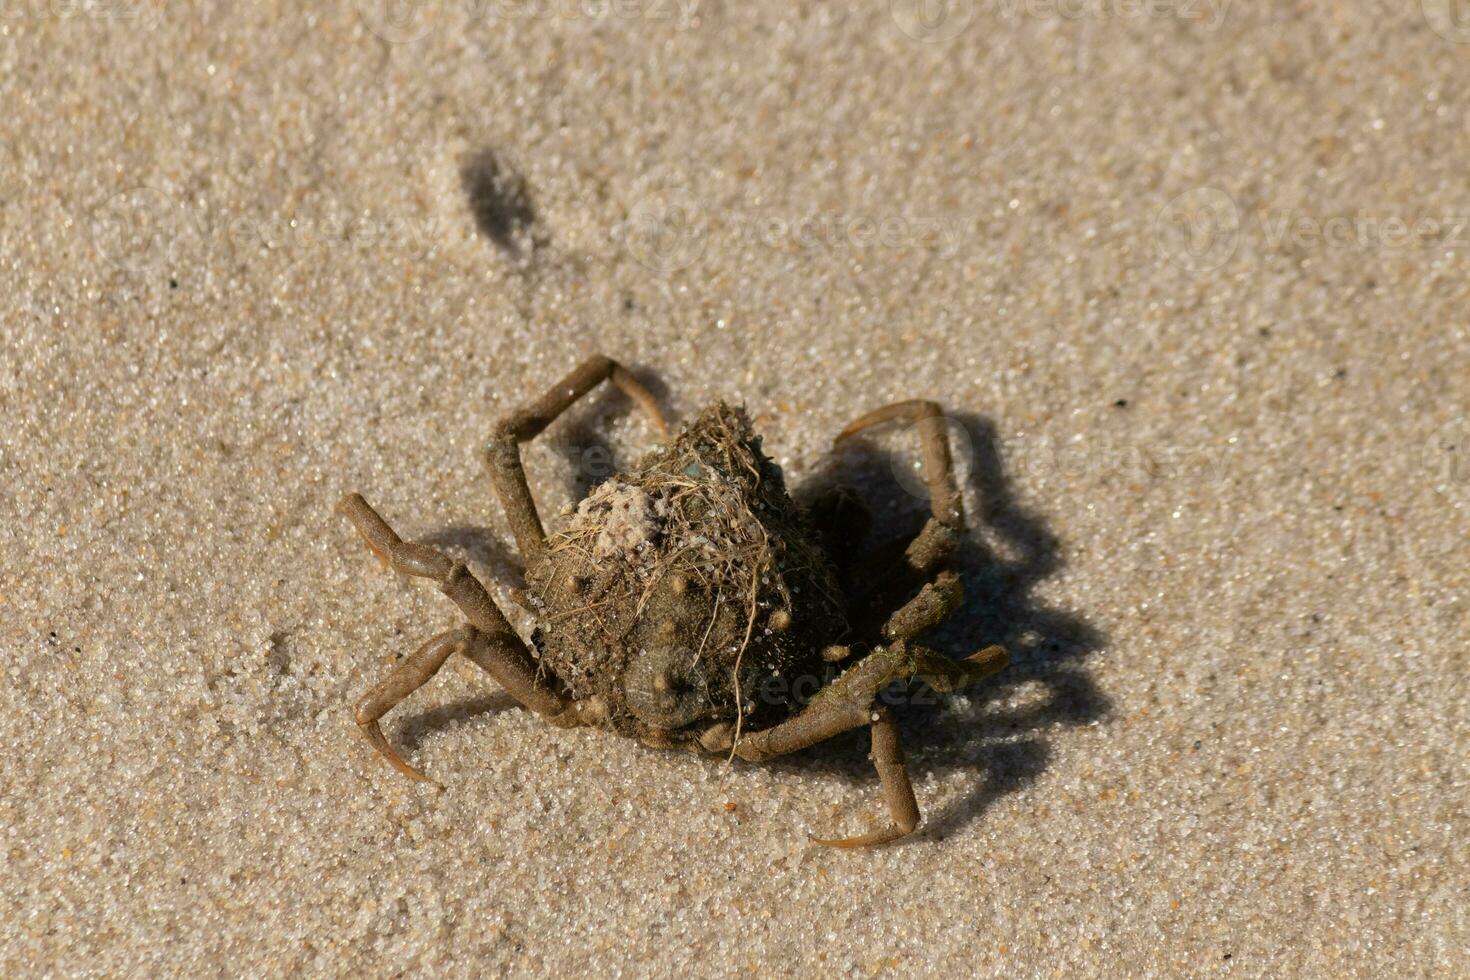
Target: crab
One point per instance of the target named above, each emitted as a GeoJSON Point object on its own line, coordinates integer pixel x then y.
{"type": "Point", "coordinates": [690, 603]}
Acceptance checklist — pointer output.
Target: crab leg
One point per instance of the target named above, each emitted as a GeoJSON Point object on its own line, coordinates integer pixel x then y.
{"type": "Point", "coordinates": [848, 702]}
{"type": "Point", "coordinates": [489, 640]}
{"type": "Point", "coordinates": [503, 453]}
{"type": "Point", "coordinates": [929, 419]}
{"type": "Point", "coordinates": [410, 675]}
{"type": "Point", "coordinates": [893, 778]}
{"type": "Point", "coordinates": [931, 549]}
{"type": "Point", "coordinates": [926, 610]}
{"type": "Point", "coordinates": [811, 727]}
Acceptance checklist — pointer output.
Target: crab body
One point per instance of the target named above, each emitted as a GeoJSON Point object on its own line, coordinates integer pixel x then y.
{"type": "Point", "coordinates": [690, 603]}
{"type": "Point", "coordinates": [687, 595]}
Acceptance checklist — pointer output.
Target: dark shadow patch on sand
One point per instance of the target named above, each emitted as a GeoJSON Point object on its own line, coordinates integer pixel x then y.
{"type": "Point", "coordinates": [482, 547]}
{"type": "Point", "coordinates": [415, 728]}
{"type": "Point", "coordinates": [500, 203]}
{"type": "Point", "coordinates": [1005, 745]}
{"type": "Point", "coordinates": [581, 435]}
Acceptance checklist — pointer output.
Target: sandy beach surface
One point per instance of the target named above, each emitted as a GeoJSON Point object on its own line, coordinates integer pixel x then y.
{"type": "Point", "coordinates": [1189, 277]}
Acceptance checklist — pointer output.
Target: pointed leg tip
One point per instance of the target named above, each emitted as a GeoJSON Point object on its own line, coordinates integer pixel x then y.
{"type": "Point", "coordinates": [990, 660]}
{"type": "Point", "coordinates": [873, 838]}
{"type": "Point", "coordinates": [853, 428]}
{"type": "Point", "coordinates": [413, 773]}
{"type": "Point", "coordinates": [845, 843]}
{"type": "Point", "coordinates": [375, 735]}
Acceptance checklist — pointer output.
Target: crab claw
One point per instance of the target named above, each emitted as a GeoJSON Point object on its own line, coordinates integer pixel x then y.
{"type": "Point", "coordinates": [374, 734]}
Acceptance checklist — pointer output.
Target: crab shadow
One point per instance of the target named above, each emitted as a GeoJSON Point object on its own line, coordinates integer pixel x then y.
{"type": "Point", "coordinates": [996, 730]}
{"type": "Point", "coordinates": [416, 729]}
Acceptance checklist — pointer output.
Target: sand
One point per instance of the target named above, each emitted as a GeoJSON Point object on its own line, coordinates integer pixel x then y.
{"type": "Point", "coordinates": [1191, 279]}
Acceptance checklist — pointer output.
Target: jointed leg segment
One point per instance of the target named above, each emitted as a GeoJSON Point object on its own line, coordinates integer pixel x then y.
{"type": "Point", "coordinates": [929, 419]}
{"type": "Point", "coordinates": [488, 640]}
{"type": "Point", "coordinates": [851, 700]}
{"type": "Point", "coordinates": [410, 675]}
{"type": "Point", "coordinates": [935, 601]}
{"type": "Point", "coordinates": [503, 454]}
{"type": "Point", "coordinates": [936, 542]}
{"type": "Point", "coordinates": [819, 723]}
{"type": "Point", "coordinates": [893, 779]}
